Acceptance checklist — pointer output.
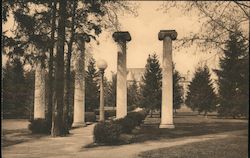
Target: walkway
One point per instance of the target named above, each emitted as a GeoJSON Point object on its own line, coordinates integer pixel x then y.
{"type": "Point", "coordinates": [73, 146]}
{"type": "Point", "coordinates": [52, 147]}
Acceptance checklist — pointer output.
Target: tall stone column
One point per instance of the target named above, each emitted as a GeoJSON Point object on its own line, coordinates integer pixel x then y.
{"type": "Point", "coordinates": [121, 92]}
{"type": "Point", "coordinates": [39, 100]}
{"type": "Point", "coordinates": [167, 78]}
{"type": "Point", "coordinates": [79, 95]}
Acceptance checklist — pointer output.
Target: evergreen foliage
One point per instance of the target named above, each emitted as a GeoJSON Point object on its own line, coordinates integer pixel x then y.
{"type": "Point", "coordinates": [91, 89]}
{"type": "Point", "coordinates": [111, 96]}
{"type": "Point", "coordinates": [233, 77]}
{"type": "Point", "coordinates": [36, 29]}
{"type": "Point", "coordinates": [15, 89]}
{"type": "Point", "coordinates": [201, 95]}
{"type": "Point", "coordinates": [107, 132]}
{"type": "Point", "coordinates": [178, 90]}
{"type": "Point", "coordinates": [151, 87]}
{"type": "Point", "coordinates": [132, 94]}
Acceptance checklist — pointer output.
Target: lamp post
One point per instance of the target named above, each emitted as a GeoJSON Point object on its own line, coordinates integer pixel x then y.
{"type": "Point", "coordinates": [102, 65]}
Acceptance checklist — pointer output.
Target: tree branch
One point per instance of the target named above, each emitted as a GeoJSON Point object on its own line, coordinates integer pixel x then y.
{"type": "Point", "coordinates": [240, 5]}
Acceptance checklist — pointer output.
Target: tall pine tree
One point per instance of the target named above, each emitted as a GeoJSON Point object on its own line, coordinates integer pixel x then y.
{"type": "Point", "coordinates": [132, 95]}
{"type": "Point", "coordinates": [15, 96]}
{"type": "Point", "coordinates": [178, 90]}
{"type": "Point", "coordinates": [91, 89]}
{"type": "Point", "coordinates": [233, 77]}
{"type": "Point", "coordinates": [201, 95]}
{"type": "Point", "coordinates": [111, 96]}
{"type": "Point", "coordinates": [151, 87]}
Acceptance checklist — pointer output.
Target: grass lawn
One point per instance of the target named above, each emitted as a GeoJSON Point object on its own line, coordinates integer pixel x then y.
{"type": "Point", "coordinates": [234, 147]}
{"type": "Point", "coordinates": [15, 131]}
{"type": "Point", "coordinates": [188, 125]}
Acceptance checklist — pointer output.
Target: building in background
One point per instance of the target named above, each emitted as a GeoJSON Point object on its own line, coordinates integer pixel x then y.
{"type": "Point", "coordinates": [135, 74]}
{"type": "Point", "coordinates": [184, 82]}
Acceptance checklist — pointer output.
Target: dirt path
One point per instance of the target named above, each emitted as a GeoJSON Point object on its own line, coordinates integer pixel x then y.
{"type": "Point", "coordinates": [52, 147]}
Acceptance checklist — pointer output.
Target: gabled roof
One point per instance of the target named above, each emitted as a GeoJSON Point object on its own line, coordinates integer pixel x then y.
{"type": "Point", "coordinates": [135, 74]}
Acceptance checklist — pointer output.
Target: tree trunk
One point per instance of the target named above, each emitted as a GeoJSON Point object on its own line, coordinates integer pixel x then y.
{"type": "Point", "coordinates": [68, 72]}
{"type": "Point", "coordinates": [57, 122]}
{"type": "Point", "coordinates": [51, 65]}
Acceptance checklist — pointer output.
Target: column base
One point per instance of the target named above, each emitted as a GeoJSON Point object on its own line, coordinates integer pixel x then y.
{"type": "Point", "coordinates": [78, 124]}
{"type": "Point", "coordinates": [170, 126]}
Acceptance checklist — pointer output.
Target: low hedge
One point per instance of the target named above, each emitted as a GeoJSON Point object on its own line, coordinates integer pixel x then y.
{"type": "Point", "coordinates": [126, 123]}
{"type": "Point", "coordinates": [131, 108]}
{"type": "Point", "coordinates": [132, 120]}
{"type": "Point", "coordinates": [107, 132]}
{"type": "Point", "coordinates": [90, 117]}
{"type": "Point", "coordinates": [39, 126]}
{"type": "Point", "coordinates": [107, 113]}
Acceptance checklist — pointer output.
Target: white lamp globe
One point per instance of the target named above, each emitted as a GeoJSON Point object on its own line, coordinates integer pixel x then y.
{"type": "Point", "coordinates": [102, 64]}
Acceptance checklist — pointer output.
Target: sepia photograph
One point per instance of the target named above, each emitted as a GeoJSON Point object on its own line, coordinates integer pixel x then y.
{"type": "Point", "coordinates": [125, 79]}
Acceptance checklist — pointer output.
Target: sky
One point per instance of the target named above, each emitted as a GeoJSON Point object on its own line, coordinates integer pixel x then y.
{"type": "Point", "coordinates": [144, 30]}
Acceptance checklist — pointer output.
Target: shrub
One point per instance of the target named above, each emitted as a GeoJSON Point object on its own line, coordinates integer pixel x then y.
{"type": "Point", "coordinates": [107, 132]}
{"type": "Point", "coordinates": [132, 107]}
{"type": "Point", "coordinates": [39, 126]}
{"type": "Point", "coordinates": [144, 112]}
{"type": "Point", "coordinates": [132, 120]}
{"type": "Point", "coordinates": [127, 124]}
{"type": "Point", "coordinates": [109, 113]}
{"type": "Point", "coordinates": [90, 117]}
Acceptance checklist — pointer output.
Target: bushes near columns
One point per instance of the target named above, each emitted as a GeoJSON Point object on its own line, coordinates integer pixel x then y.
{"type": "Point", "coordinates": [39, 126]}
{"type": "Point", "coordinates": [109, 132]}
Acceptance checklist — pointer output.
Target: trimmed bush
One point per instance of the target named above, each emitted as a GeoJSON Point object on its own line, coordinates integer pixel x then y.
{"type": "Point", "coordinates": [131, 108]}
{"type": "Point", "coordinates": [137, 117]}
{"type": "Point", "coordinates": [127, 124]}
{"type": "Point", "coordinates": [109, 113]}
{"type": "Point", "coordinates": [90, 117]}
{"type": "Point", "coordinates": [39, 126]}
{"type": "Point", "coordinates": [132, 120]}
{"type": "Point", "coordinates": [107, 132]}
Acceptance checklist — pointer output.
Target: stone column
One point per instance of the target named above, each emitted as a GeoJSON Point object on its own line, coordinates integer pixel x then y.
{"type": "Point", "coordinates": [79, 95]}
{"type": "Point", "coordinates": [167, 78]}
{"type": "Point", "coordinates": [121, 92]}
{"type": "Point", "coordinates": [39, 100]}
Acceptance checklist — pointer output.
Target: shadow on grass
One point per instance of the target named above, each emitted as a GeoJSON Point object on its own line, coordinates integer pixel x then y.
{"type": "Point", "coordinates": [186, 129]}
{"type": "Point", "coordinates": [13, 137]}
{"type": "Point", "coordinates": [186, 125]}
{"type": "Point", "coordinates": [222, 148]}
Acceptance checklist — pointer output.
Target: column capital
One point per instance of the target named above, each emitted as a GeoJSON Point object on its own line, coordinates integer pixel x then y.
{"type": "Point", "coordinates": [167, 33]}
{"type": "Point", "coordinates": [121, 36]}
